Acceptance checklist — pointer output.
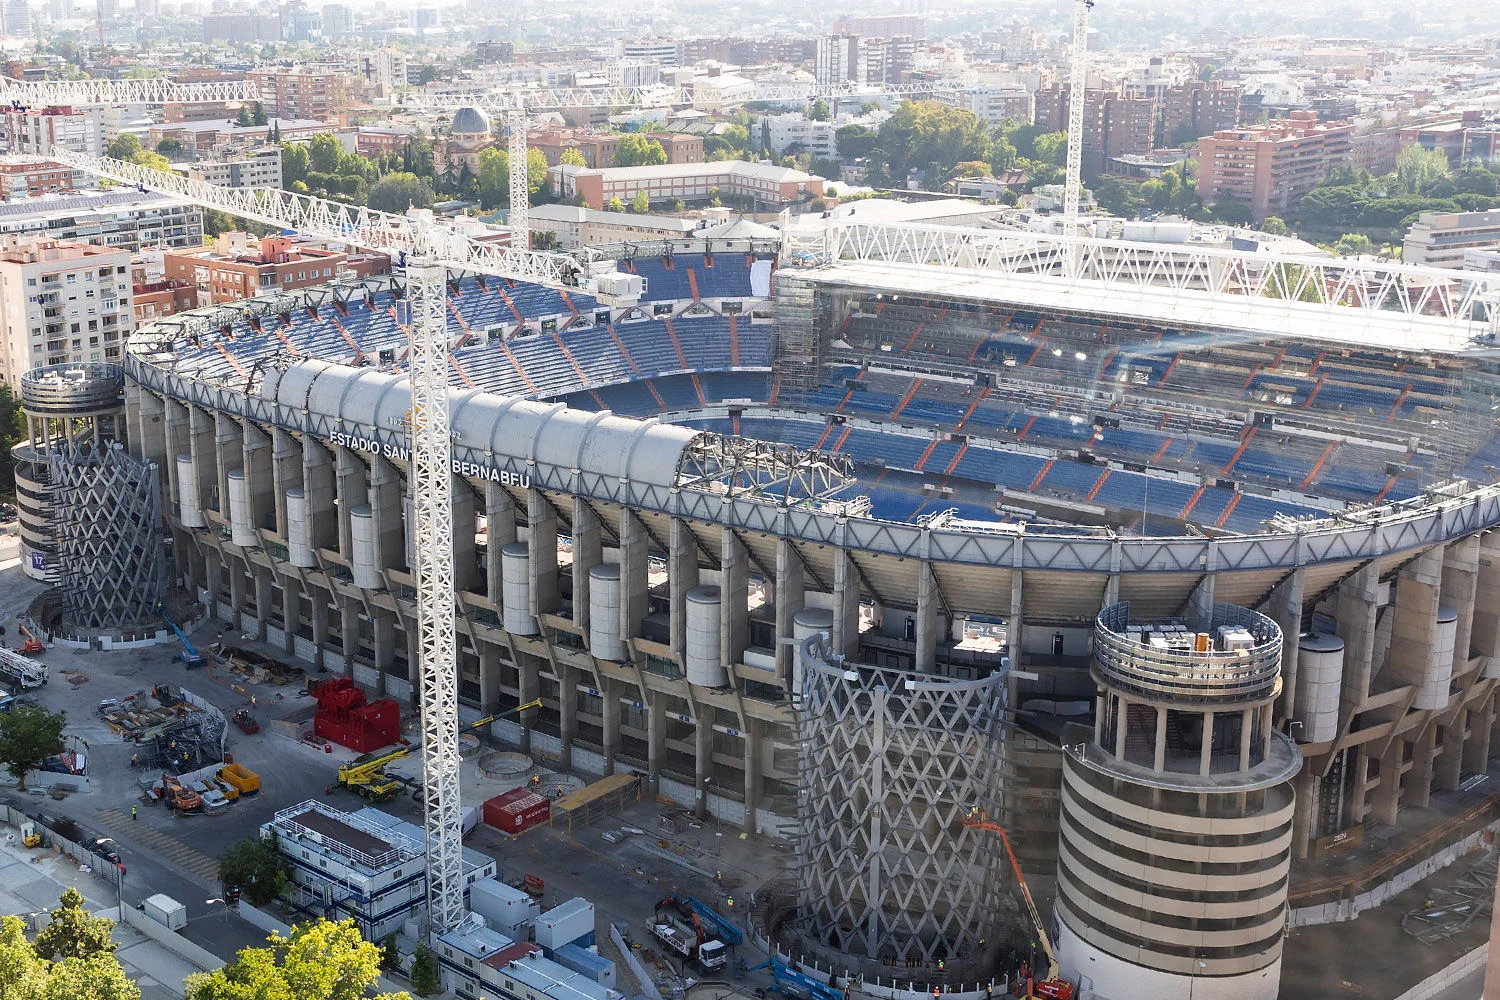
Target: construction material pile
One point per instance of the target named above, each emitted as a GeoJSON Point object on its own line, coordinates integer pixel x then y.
{"type": "Point", "coordinates": [255, 667]}
{"type": "Point", "coordinates": [170, 733]}
{"type": "Point", "coordinates": [345, 717]}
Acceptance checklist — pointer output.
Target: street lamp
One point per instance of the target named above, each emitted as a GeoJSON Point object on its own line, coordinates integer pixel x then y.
{"type": "Point", "coordinates": [119, 876]}
{"type": "Point", "coordinates": [217, 899]}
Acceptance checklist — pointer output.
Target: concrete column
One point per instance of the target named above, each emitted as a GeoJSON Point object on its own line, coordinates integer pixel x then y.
{"type": "Point", "coordinates": [286, 473]}
{"type": "Point", "coordinates": [656, 742]}
{"type": "Point", "coordinates": [1247, 729]}
{"type": "Point", "coordinates": [703, 756]}
{"type": "Point", "coordinates": [1358, 604]}
{"type": "Point", "coordinates": [588, 552]}
{"type": "Point", "coordinates": [465, 560]}
{"type": "Point", "coordinates": [489, 676]}
{"type": "Point", "coordinates": [1448, 769]}
{"type": "Point", "coordinates": [1286, 610]}
{"type": "Point", "coordinates": [292, 600]}
{"type": "Point", "coordinates": [228, 453]}
{"type": "Point", "coordinates": [1268, 725]}
{"type": "Point", "coordinates": [389, 501]}
{"type": "Point", "coordinates": [1387, 796]}
{"type": "Point", "coordinates": [752, 773]}
{"type": "Point", "coordinates": [1205, 754]}
{"type": "Point", "coordinates": [1419, 778]}
{"type": "Point", "coordinates": [1357, 809]}
{"type": "Point", "coordinates": [734, 588]}
{"type": "Point", "coordinates": [499, 531]}
{"type": "Point", "coordinates": [260, 477]}
{"type": "Point", "coordinates": [1015, 627]}
{"type": "Point", "coordinates": [1159, 760]}
{"type": "Point", "coordinates": [567, 710]}
{"type": "Point", "coordinates": [609, 694]}
{"type": "Point", "coordinates": [318, 487]}
{"type": "Point", "coordinates": [1481, 720]}
{"type": "Point", "coordinates": [148, 438]}
{"type": "Point", "coordinates": [1414, 627]}
{"type": "Point", "coordinates": [383, 639]}
{"type": "Point", "coordinates": [262, 580]}
{"type": "Point", "coordinates": [317, 616]}
{"type": "Point", "coordinates": [1305, 814]}
{"type": "Point", "coordinates": [635, 569]}
{"type": "Point", "coordinates": [349, 624]}
{"type": "Point", "coordinates": [353, 490]}
{"type": "Point", "coordinates": [1122, 723]}
{"type": "Point", "coordinates": [1460, 587]}
{"type": "Point", "coordinates": [1099, 704]}
{"type": "Point", "coordinates": [541, 539]}
{"type": "Point", "coordinates": [236, 590]}
{"type": "Point", "coordinates": [682, 576]}
{"type": "Point", "coordinates": [791, 589]}
{"type": "Point", "coordinates": [529, 682]}
{"type": "Point", "coordinates": [845, 637]}
{"type": "Point", "coordinates": [1484, 635]}
{"type": "Point", "coordinates": [927, 619]}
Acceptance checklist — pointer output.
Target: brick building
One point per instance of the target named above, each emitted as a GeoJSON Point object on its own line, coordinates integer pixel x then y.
{"type": "Point", "coordinates": [302, 92]}
{"type": "Point", "coordinates": [1112, 125]}
{"type": "Point", "coordinates": [31, 176]}
{"type": "Point", "coordinates": [1272, 166]}
{"type": "Point", "coordinates": [1196, 109]}
{"type": "Point", "coordinates": [241, 267]}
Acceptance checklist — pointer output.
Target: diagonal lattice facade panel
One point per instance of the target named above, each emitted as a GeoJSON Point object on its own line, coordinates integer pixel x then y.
{"type": "Point", "coordinates": [892, 762]}
{"type": "Point", "coordinates": [107, 515]}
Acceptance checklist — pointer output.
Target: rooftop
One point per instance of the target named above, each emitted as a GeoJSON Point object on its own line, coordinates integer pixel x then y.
{"type": "Point", "coordinates": [712, 168]}
{"type": "Point", "coordinates": [38, 249]}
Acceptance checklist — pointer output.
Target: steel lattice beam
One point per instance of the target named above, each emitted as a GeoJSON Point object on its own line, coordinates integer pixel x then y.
{"type": "Point", "coordinates": [1077, 99]}
{"type": "Point", "coordinates": [151, 91]}
{"type": "Point", "coordinates": [431, 486]}
{"type": "Point", "coordinates": [520, 182]}
{"type": "Point", "coordinates": [366, 227]}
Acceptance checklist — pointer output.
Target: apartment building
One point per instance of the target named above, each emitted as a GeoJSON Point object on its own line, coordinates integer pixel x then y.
{"type": "Point", "coordinates": [1441, 239]}
{"type": "Point", "coordinates": [155, 300]}
{"type": "Point", "coordinates": [1113, 125]}
{"type": "Point", "coordinates": [1196, 109]}
{"type": "Point", "coordinates": [302, 92]}
{"type": "Point", "coordinates": [33, 176]}
{"type": "Point", "coordinates": [260, 168]}
{"type": "Point", "coordinates": [769, 186]}
{"type": "Point", "coordinates": [849, 58]}
{"type": "Point", "coordinates": [61, 303]}
{"type": "Point", "coordinates": [206, 137]}
{"type": "Point", "coordinates": [662, 51]}
{"type": "Point", "coordinates": [994, 105]}
{"type": "Point", "coordinates": [1271, 166]}
{"type": "Point", "coordinates": [240, 267]}
{"type": "Point", "coordinates": [121, 220]}
{"type": "Point", "coordinates": [36, 130]}
{"type": "Point", "coordinates": [338, 19]}
{"type": "Point", "coordinates": [583, 227]}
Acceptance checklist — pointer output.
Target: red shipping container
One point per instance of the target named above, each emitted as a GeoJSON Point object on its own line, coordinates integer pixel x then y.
{"type": "Point", "coordinates": [516, 810]}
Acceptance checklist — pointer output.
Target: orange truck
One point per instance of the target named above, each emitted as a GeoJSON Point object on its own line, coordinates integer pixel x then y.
{"type": "Point", "coordinates": [179, 798]}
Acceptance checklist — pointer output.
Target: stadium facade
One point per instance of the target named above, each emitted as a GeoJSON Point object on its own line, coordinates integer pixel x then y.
{"type": "Point", "coordinates": [665, 497]}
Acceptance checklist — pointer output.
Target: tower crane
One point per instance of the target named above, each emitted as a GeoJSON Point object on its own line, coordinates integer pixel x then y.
{"type": "Point", "coordinates": [1077, 100]}
{"type": "Point", "coordinates": [41, 93]}
{"type": "Point", "coordinates": [428, 251]}
{"type": "Point", "coordinates": [1054, 987]}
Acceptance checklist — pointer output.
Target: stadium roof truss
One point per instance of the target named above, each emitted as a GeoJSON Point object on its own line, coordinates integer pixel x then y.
{"type": "Point", "coordinates": [1349, 301]}
{"type": "Point", "coordinates": [741, 467]}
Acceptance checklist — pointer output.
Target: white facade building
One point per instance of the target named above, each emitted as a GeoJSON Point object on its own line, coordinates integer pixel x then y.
{"type": "Point", "coordinates": [259, 168]}
{"type": "Point", "coordinates": [62, 303]}
{"type": "Point", "coordinates": [38, 130]}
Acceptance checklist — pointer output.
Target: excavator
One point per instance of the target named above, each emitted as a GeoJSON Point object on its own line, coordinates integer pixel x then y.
{"type": "Point", "coordinates": [366, 777]}
{"type": "Point", "coordinates": [1054, 987]}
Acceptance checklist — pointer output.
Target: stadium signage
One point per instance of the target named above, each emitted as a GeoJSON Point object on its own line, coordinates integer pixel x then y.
{"type": "Point", "coordinates": [401, 453]}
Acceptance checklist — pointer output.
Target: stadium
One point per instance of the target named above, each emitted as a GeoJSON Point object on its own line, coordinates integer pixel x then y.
{"type": "Point", "coordinates": [983, 502]}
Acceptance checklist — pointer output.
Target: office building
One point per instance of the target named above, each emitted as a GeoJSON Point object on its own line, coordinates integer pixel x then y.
{"type": "Point", "coordinates": [61, 303]}
{"type": "Point", "coordinates": [994, 105]}
{"type": "Point", "coordinates": [577, 227]}
{"type": "Point", "coordinates": [387, 70]}
{"type": "Point", "coordinates": [1271, 166]}
{"type": "Point", "coordinates": [662, 51]}
{"type": "Point", "coordinates": [1440, 239]}
{"type": "Point", "coordinates": [241, 28]}
{"type": "Point", "coordinates": [694, 183]}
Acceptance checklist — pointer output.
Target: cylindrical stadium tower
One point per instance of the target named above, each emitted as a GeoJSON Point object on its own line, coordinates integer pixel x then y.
{"type": "Point", "coordinates": [1177, 816]}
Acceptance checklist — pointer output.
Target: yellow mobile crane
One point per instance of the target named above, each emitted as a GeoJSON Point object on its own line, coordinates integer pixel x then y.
{"type": "Point", "coordinates": [366, 777]}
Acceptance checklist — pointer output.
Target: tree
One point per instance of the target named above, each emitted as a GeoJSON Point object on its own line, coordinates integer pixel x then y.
{"type": "Point", "coordinates": [923, 133]}
{"type": "Point", "coordinates": [74, 932]}
{"type": "Point", "coordinates": [614, 205]}
{"type": "Point", "coordinates": [424, 973]}
{"type": "Point", "coordinates": [1354, 245]}
{"type": "Point", "coordinates": [855, 141]}
{"type": "Point", "coordinates": [970, 168]}
{"type": "Point", "coordinates": [294, 163]}
{"type": "Point", "coordinates": [818, 112]}
{"type": "Point", "coordinates": [324, 153]}
{"type": "Point", "coordinates": [390, 958]}
{"type": "Point", "coordinates": [639, 151]}
{"type": "Point", "coordinates": [29, 736]}
{"type": "Point", "coordinates": [169, 147]}
{"type": "Point", "coordinates": [258, 114]}
{"type": "Point", "coordinates": [1002, 156]}
{"type": "Point", "coordinates": [399, 191]}
{"type": "Point", "coordinates": [494, 177]}
{"type": "Point", "coordinates": [419, 156]}
{"type": "Point", "coordinates": [155, 161]}
{"type": "Point", "coordinates": [243, 117]}
{"type": "Point", "coordinates": [1418, 169]}
{"type": "Point", "coordinates": [1233, 211]}
{"type": "Point", "coordinates": [1274, 226]}
{"type": "Point", "coordinates": [641, 203]}
{"type": "Point", "coordinates": [1206, 71]}
{"type": "Point", "coordinates": [572, 157]}
{"type": "Point", "coordinates": [536, 172]}
{"type": "Point", "coordinates": [543, 239]}
{"type": "Point", "coordinates": [25, 975]}
{"type": "Point", "coordinates": [123, 146]}
{"type": "Point", "coordinates": [1052, 147]}
{"type": "Point", "coordinates": [257, 867]}
{"type": "Point", "coordinates": [319, 960]}
{"type": "Point", "coordinates": [12, 432]}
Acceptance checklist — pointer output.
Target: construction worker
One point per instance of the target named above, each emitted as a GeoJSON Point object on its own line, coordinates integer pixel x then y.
{"type": "Point", "coordinates": [132, 813]}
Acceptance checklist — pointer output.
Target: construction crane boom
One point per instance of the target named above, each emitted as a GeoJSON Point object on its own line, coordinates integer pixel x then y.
{"type": "Point", "coordinates": [1054, 986]}
{"type": "Point", "coordinates": [1077, 100]}
{"type": "Point", "coordinates": [365, 227]}
{"type": "Point", "coordinates": [45, 93]}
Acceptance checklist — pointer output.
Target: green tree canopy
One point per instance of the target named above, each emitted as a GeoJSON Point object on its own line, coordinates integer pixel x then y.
{"type": "Point", "coordinates": [855, 141]}
{"type": "Point", "coordinates": [1274, 226]}
{"type": "Point", "coordinates": [324, 153]}
{"type": "Point", "coordinates": [399, 191]}
{"type": "Point", "coordinates": [614, 205]}
{"type": "Point", "coordinates": [424, 972]}
{"type": "Point", "coordinates": [169, 147]}
{"type": "Point", "coordinates": [123, 146]}
{"type": "Point", "coordinates": [26, 975]}
{"type": "Point", "coordinates": [818, 111]}
{"type": "Point", "coordinates": [1233, 211]}
{"type": "Point", "coordinates": [320, 960]}
{"type": "Point", "coordinates": [572, 157]}
{"type": "Point", "coordinates": [922, 133]}
{"type": "Point", "coordinates": [1419, 170]}
{"type": "Point", "coordinates": [29, 736]}
{"type": "Point", "coordinates": [1354, 245]}
{"type": "Point", "coordinates": [1052, 147]}
{"type": "Point", "coordinates": [638, 151]}
{"type": "Point", "coordinates": [257, 867]}
{"type": "Point", "coordinates": [641, 203]}
{"type": "Point", "coordinates": [243, 116]}
{"type": "Point", "coordinates": [74, 932]}
{"type": "Point", "coordinates": [294, 162]}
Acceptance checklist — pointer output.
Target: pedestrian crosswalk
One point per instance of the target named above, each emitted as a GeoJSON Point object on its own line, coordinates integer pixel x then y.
{"type": "Point", "coordinates": [165, 846]}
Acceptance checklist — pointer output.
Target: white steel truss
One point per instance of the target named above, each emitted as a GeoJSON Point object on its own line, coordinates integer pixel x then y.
{"type": "Point", "coordinates": [520, 182]}
{"type": "Point", "coordinates": [151, 91]}
{"type": "Point", "coordinates": [549, 99]}
{"type": "Point", "coordinates": [1077, 99]}
{"type": "Point", "coordinates": [1258, 295]}
{"type": "Point", "coordinates": [431, 486]}
{"type": "Point", "coordinates": [366, 227]}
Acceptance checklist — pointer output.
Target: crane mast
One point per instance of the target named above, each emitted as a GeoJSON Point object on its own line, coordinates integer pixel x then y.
{"type": "Point", "coordinates": [1077, 100]}
{"type": "Point", "coordinates": [520, 182]}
